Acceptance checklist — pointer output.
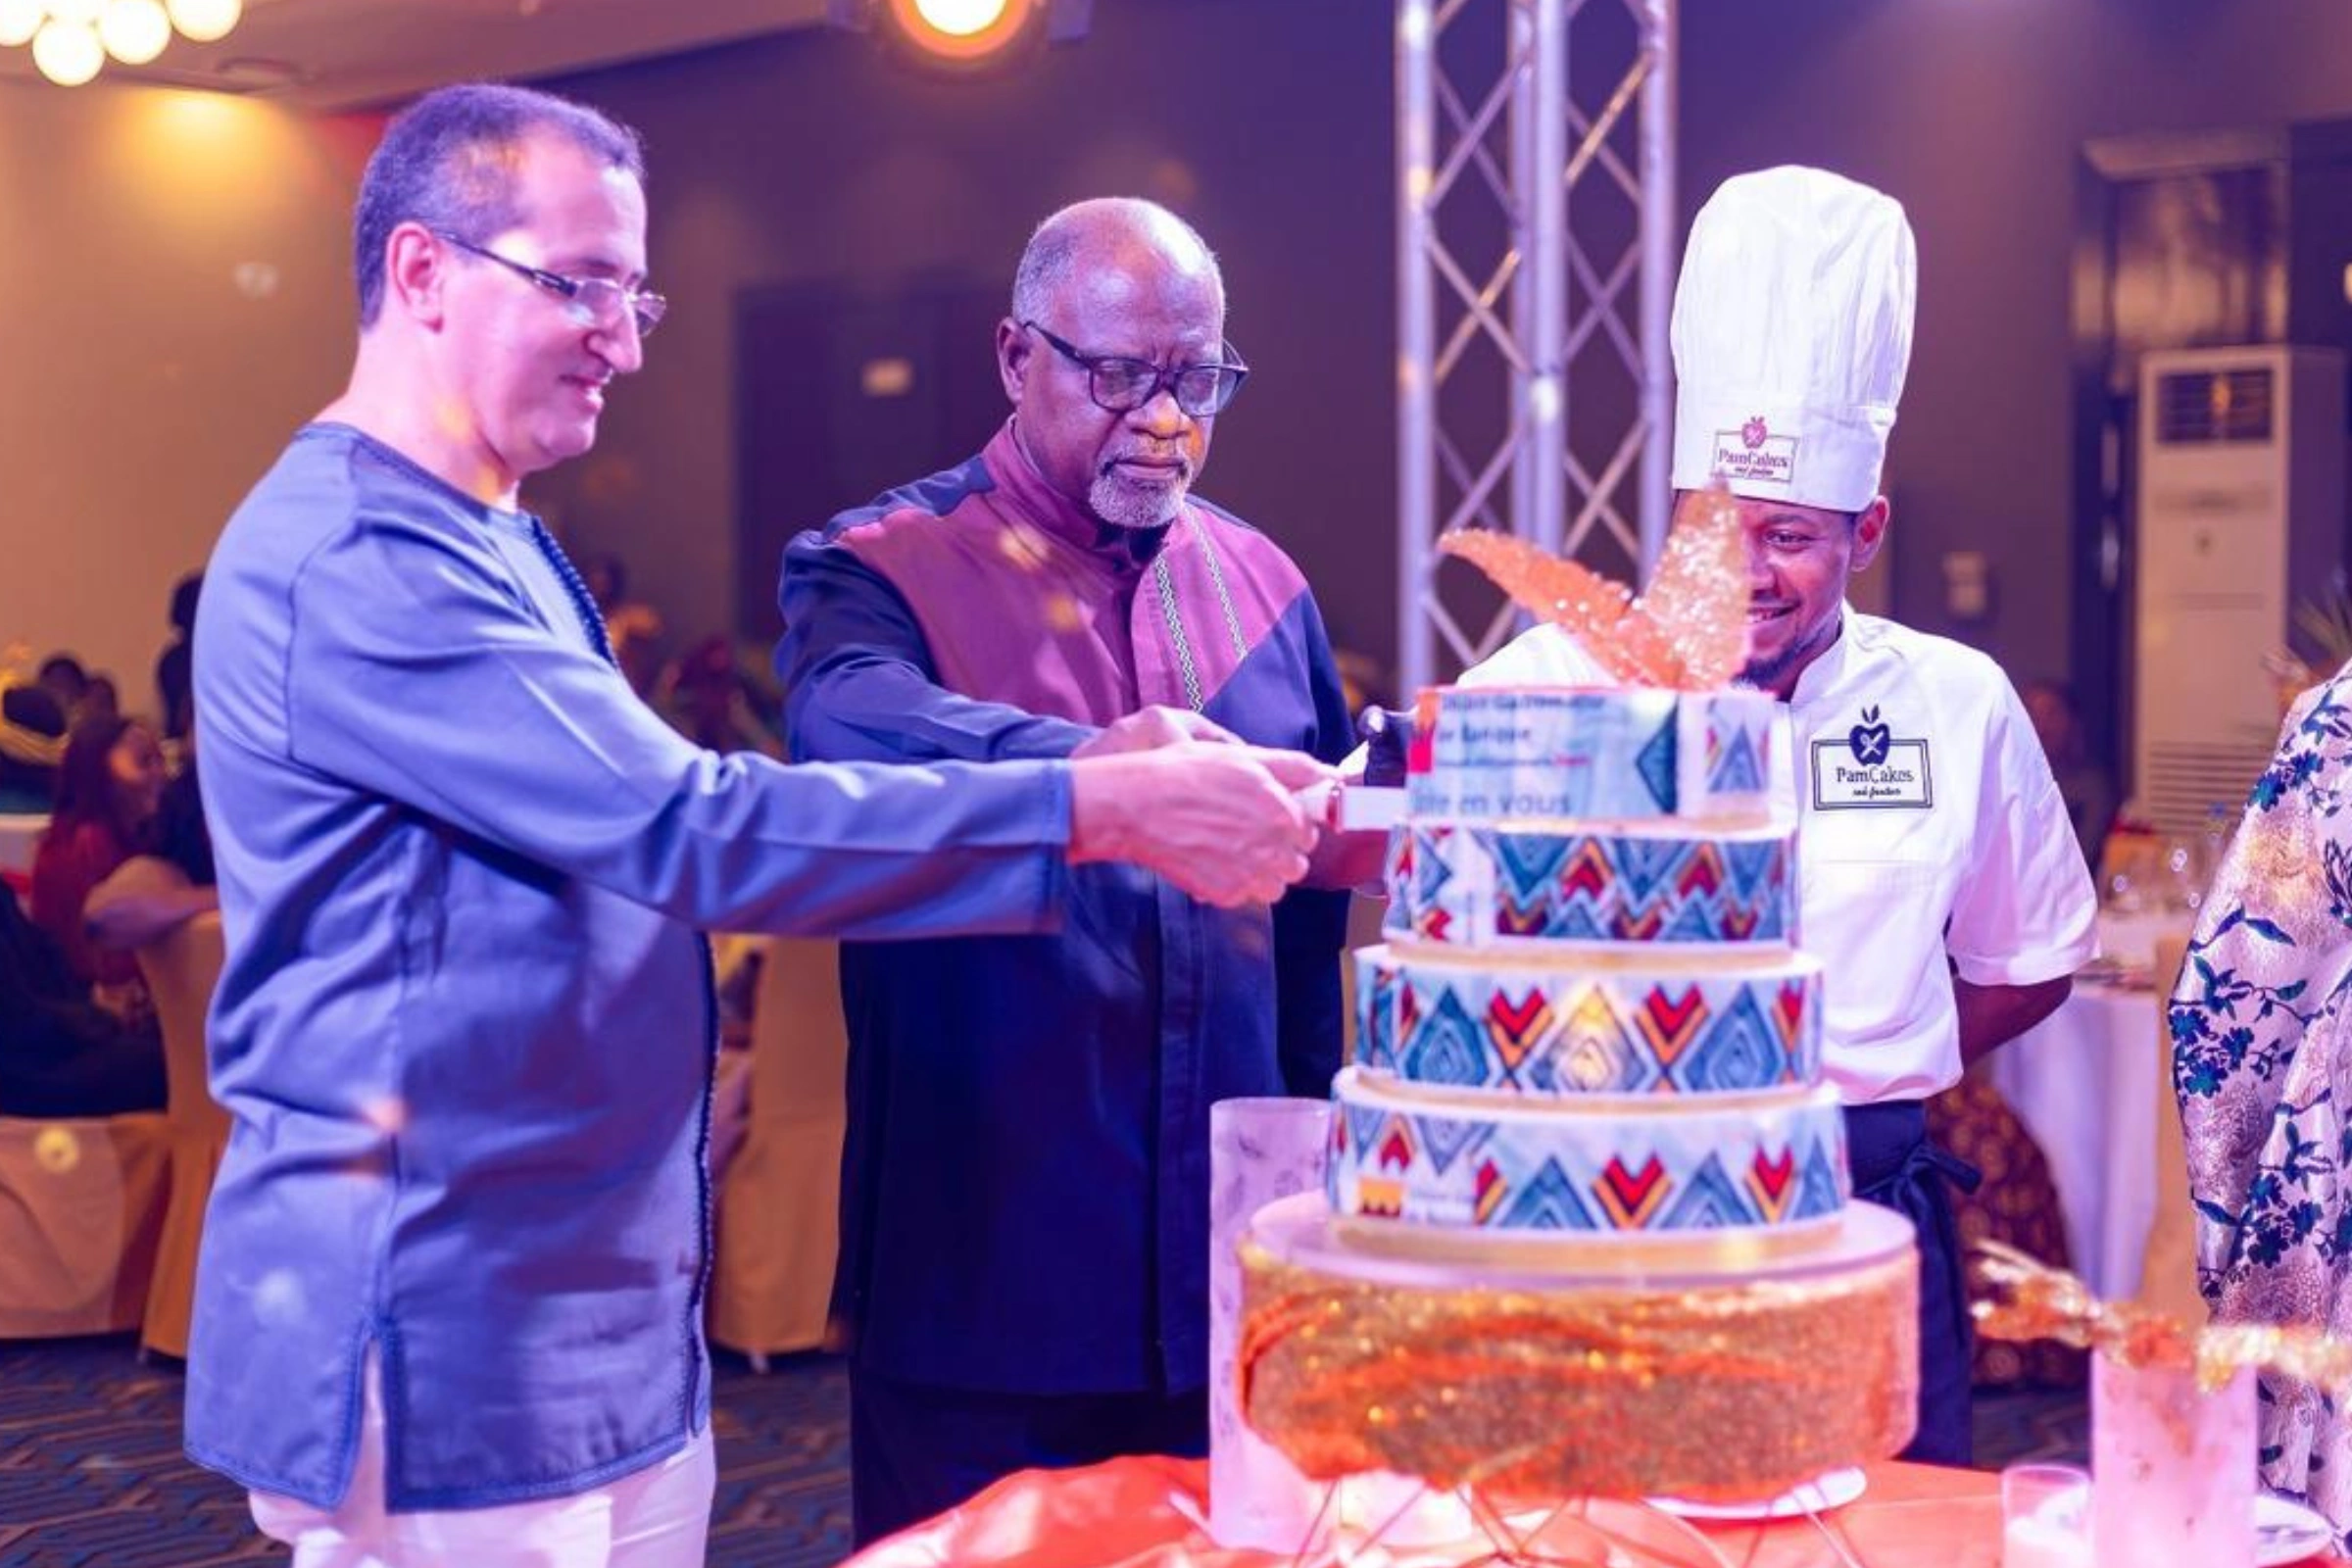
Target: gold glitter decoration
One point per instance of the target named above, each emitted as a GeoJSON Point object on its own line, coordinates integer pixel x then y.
{"type": "Point", "coordinates": [2048, 1303]}
{"type": "Point", "coordinates": [1688, 632]}
{"type": "Point", "coordinates": [1732, 1390]}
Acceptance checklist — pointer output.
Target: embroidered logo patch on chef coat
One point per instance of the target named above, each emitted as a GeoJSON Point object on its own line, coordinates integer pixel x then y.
{"type": "Point", "coordinates": [1869, 766]}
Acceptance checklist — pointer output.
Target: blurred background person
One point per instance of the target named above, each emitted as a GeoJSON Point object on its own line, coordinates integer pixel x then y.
{"type": "Point", "coordinates": [32, 736]}
{"type": "Point", "coordinates": [60, 1053]}
{"type": "Point", "coordinates": [175, 665]}
{"type": "Point", "coordinates": [100, 699]}
{"type": "Point", "coordinates": [2083, 784]}
{"type": "Point", "coordinates": [110, 790]}
{"type": "Point", "coordinates": [168, 883]}
{"type": "Point", "coordinates": [62, 677]}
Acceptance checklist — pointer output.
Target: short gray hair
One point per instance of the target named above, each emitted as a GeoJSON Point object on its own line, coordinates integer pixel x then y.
{"type": "Point", "coordinates": [1052, 254]}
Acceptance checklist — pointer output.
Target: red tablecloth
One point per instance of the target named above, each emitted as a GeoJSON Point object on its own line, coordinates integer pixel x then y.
{"type": "Point", "coordinates": [1132, 1513]}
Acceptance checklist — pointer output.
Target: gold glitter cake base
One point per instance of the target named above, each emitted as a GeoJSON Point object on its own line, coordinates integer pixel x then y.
{"type": "Point", "coordinates": [1722, 1384]}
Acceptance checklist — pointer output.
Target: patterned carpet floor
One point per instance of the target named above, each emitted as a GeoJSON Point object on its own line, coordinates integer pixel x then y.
{"type": "Point", "coordinates": [91, 1474]}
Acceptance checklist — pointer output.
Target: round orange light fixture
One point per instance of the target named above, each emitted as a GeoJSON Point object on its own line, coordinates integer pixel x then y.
{"type": "Point", "coordinates": [961, 19]}
{"type": "Point", "coordinates": [959, 29]}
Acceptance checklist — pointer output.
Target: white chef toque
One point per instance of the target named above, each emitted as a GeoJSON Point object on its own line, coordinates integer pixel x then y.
{"type": "Point", "coordinates": [1792, 332]}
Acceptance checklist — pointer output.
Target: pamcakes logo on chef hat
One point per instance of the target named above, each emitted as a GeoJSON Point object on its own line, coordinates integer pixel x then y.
{"type": "Point", "coordinates": [1753, 455]}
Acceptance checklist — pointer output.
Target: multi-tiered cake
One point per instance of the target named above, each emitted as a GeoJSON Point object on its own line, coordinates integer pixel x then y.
{"type": "Point", "coordinates": [1587, 1227]}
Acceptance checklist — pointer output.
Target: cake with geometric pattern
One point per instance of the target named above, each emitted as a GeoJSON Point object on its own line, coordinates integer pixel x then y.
{"type": "Point", "coordinates": [1589, 1017]}
{"type": "Point", "coordinates": [1587, 1224]}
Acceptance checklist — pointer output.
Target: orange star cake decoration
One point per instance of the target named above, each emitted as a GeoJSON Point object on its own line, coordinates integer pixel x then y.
{"type": "Point", "coordinates": [1687, 632]}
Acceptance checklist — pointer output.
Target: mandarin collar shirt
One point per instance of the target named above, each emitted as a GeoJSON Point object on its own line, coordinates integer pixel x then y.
{"type": "Point", "coordinates": [1025, 1204]}
{"type": "Point", "coordinates": [464, 1028]}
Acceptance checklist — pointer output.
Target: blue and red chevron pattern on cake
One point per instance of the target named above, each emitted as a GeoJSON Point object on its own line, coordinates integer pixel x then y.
{"type": "Point", "coordinates": [1633, 1029]}
{"type": "Point", "coordinates": [1660, 1165]}
{"type": "Point", "coordinates": [1480, 886]}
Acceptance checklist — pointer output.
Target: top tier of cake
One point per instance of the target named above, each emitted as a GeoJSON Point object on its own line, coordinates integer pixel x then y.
{"type": "Point", "coordinates": [1593, 820]}
{"type": "Point", "coordinates": [1591, 1017]}
{"type": "Point", "coordinates": [1521, 754]}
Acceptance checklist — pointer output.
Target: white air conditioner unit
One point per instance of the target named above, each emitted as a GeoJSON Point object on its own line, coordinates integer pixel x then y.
{"type": "Point", "coordinates": [2242, 513]}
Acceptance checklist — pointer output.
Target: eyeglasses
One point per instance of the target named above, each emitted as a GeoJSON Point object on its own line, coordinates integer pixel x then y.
{"type": "Point", "coordinates": [601, 299]}
{"type": "Point", "coordinates": [1118, 384]}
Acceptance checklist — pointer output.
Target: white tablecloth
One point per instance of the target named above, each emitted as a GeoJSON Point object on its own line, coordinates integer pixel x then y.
{"type": "Point", "coordinates": [19, 835]}
{"type": "Point", "coordinates": [2085, 1082]}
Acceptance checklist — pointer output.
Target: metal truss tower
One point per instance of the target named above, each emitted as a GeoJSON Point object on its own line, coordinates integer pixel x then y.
{"type": "Point", "coordinates": [1535, 249]}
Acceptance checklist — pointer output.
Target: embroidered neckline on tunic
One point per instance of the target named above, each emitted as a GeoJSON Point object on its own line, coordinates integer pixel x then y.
{"type": "Point", "coordinates": [1163, 583]}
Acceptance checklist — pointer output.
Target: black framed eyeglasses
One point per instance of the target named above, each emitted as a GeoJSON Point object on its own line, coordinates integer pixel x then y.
{"type": "Point", "coordinates": [599, 298]}
{"type": "Point", "coordinates": [1119, 385]}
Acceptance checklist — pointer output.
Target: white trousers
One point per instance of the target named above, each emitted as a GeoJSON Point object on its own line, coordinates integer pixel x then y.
{"type": "Point", "coordinates": [657, 1517]}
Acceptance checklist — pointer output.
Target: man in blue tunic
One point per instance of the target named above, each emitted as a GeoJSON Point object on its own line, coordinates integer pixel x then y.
{"type": "Point", "coordinates": [449, 1306]}
{"type": "Point", "coordinates": [1025, 1182]}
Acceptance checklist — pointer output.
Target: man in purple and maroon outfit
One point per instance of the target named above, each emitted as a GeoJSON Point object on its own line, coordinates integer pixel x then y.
{"type": "Point", "coordinates": [1025, 1197]}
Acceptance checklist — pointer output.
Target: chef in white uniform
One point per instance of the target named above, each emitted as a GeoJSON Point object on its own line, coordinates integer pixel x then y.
{"type": "Point", "coordinates": [1942, 884]}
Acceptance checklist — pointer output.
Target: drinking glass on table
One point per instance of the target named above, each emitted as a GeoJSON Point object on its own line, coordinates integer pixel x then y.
{"type": "Point", "coordinates": [2045, 1516]}
{"type": "Point", "coordinates": [2125, 894]}
{"type": "Point", "coordinates": [2184, 875]}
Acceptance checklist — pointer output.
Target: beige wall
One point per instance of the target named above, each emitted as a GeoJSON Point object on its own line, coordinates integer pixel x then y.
{"type": "Point", "coordinates": [174, 298]}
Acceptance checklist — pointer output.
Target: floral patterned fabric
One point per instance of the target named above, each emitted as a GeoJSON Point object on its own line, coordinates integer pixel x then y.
{"type": "Point", "coordinates": [2262, 1065]}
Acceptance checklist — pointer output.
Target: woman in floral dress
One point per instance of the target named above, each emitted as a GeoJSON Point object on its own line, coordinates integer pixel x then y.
{"type": "Point", "coordinates": [2262, 1065]}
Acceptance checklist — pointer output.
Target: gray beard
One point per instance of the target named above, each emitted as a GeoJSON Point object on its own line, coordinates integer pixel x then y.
{"type": "Point", "coordinates": [1130, 506]}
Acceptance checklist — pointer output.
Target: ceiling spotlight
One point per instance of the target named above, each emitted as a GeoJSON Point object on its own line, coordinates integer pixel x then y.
{"type": "Point", "coordinates": [959, 34]}
{"type": "Point", "coordinates": [959, 29]}
{"type": "Point", "coordinates": [961, 19]}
